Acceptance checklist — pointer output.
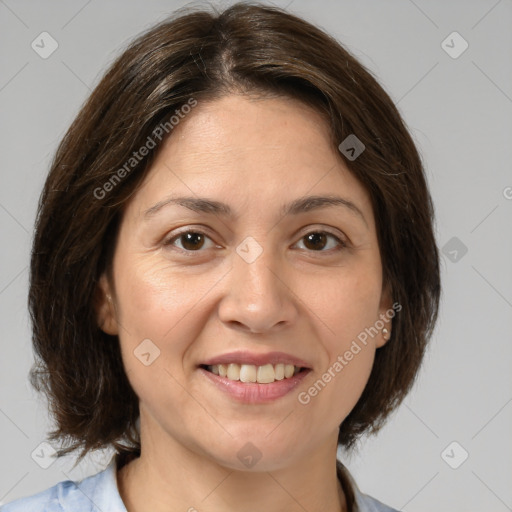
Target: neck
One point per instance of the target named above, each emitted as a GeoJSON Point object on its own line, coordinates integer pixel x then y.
{"type": "Point", "coordinates": [179, 479]}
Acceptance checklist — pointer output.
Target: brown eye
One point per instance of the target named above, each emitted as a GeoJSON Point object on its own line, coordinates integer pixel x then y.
{"type": "Point", "coordinates": [318, 240]}
{"type": "Point", "coordinates": [191, 241]}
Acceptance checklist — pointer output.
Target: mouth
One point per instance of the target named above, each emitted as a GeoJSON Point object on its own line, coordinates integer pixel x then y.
{"type": "Point", "coordinates": [255, 378]}
{"type": "Point", "coordinates": [250, 373]}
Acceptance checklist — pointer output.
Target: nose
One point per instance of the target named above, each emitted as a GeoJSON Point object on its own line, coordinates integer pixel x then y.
{"type": "Point", "coordinates": [258, 298]}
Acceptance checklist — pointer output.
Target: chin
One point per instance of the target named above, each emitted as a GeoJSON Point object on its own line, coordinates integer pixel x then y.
{"type": "Point", "coordinates": [255, 453]}
{"type": "Point", "coordinates": [250, 459]}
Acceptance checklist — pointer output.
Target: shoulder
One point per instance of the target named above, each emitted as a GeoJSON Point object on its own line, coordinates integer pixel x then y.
{"type": "Point", "coordinates": [44, 501]}
{"type": "Point", "coordinates": [368, 504]}
{"type": "Point", "coordinates": [358, 501]}
{"type": "Point", "coordinates": [98, 490]}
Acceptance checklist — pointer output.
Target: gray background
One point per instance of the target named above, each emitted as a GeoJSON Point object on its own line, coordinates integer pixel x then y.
{"type": "Point", "coordinates": [459, 111]}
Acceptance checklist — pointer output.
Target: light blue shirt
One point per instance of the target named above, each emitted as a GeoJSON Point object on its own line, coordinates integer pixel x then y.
{"type": "Point", "coordinates": [99, 493]}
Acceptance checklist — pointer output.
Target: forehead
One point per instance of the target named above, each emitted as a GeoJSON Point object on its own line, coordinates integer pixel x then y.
{"type": "Point", "coordinates": [261, 152]}
{"type": "Point", "coordinates": [238, 124]}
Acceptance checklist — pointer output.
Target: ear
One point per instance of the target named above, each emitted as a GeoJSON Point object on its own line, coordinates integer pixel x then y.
{"type": "Point", "coordinates": [386, 314]}
{"type": "Point", "coordinates": [104, 306]}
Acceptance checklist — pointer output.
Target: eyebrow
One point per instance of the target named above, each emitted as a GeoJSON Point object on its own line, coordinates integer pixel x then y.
{"type": "Point", "coordinates": [298, 206]}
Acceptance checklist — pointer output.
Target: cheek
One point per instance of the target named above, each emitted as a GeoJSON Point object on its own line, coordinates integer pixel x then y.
{"type": "Point", "coordinates": [338, 384]}
{"type": "Point", "coordinates": [347, 305]}
{"type": "Point", "coordinates": [348, 377]}
{"type": "Point", "coordinates": [160, 304]}
{"type": "Point", "coordinates": [153, 299]}
{"type": "Point", "coordinates": [348, 308]}
{"type": "Point", "coordinates": [158, 313]}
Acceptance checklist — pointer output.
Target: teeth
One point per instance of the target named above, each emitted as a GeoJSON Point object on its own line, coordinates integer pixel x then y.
{"type": "Point", "coordinates": [233, 372]}
{"type": "Point", "coordinates": [247, 373]}
{"type": "Point", "coordinates": [265, 374]}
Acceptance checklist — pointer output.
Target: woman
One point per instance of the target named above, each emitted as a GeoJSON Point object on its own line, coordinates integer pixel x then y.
{"type": "Point", "coordinates": [233, 272]}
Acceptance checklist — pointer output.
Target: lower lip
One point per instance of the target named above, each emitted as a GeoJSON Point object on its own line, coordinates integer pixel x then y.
{"type": "Point", "coordinates": [252, 392]}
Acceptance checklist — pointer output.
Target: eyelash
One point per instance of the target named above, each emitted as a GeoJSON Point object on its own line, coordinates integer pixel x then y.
{"type": "Point", "coordinates": [169, 242]}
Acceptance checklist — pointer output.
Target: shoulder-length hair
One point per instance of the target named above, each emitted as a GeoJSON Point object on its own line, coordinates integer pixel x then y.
{"type": "Point", "coordinates": [200, 55]}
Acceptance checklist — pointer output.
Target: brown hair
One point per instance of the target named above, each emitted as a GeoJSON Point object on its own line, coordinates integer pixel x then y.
{"type": "Point", "coordinates": [247, 48]}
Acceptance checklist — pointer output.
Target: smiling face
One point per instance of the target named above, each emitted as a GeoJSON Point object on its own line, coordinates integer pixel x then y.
{"type": "Point", "coordinates": [251, 270]}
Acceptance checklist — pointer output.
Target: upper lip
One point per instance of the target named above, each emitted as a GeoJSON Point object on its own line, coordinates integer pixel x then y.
{"type": "Point", "coordinates": [244, 357]}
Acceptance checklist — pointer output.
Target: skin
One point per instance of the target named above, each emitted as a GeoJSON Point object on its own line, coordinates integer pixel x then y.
{"type": "Point", "coordinates": [297, 297]}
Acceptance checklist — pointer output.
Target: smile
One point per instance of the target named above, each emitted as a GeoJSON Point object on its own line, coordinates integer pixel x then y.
{"type": "Point", "coordinates": [254, 378]}
{"type": "Point", "coordinates": [255, 392]}
{"type": "Point", "coordinates": [265, 374]}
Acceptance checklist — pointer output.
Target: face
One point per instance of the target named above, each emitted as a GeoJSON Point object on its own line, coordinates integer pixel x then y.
{"type": "Point", "coordinates": [250, 278]}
